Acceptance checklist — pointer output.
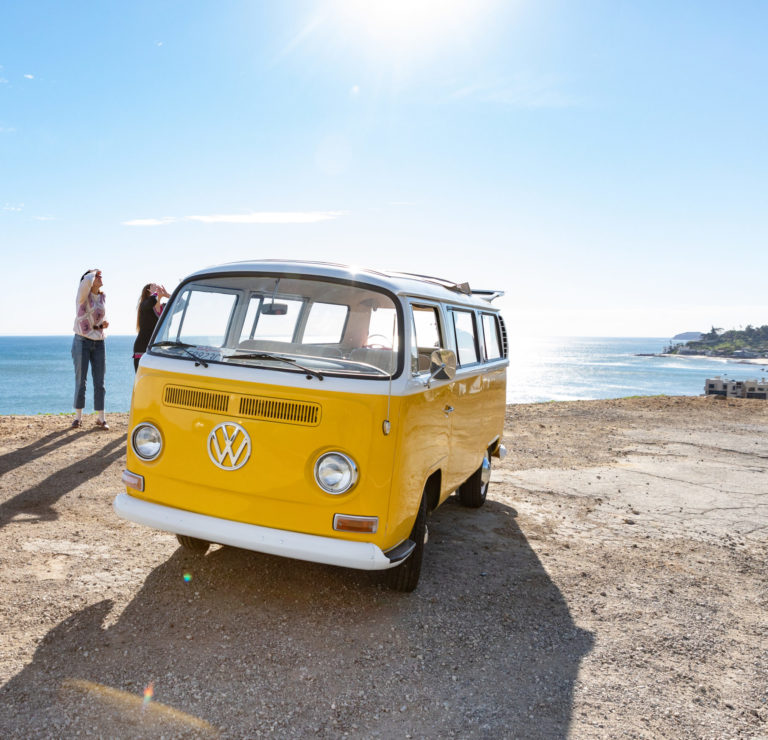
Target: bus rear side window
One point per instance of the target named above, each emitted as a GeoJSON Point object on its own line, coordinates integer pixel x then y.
{"type": "Point", "coordinates": [491, 337]}
{"type": "Point", "coordinates": [466, 340]}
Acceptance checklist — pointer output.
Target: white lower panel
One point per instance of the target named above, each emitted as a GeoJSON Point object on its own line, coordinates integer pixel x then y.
{"type": "Point", "coordinates": [360, 555]}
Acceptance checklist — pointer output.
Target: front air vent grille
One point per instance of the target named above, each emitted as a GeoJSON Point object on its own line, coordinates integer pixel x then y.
{"type": "Point", "coordinates": [276, 409]}
{"type": "Point", "coordinates": [253, 407]}
{"type": "Point", "coordinates": [195, 398]}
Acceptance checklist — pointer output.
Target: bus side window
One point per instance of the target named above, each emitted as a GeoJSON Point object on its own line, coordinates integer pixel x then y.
{"type": "Point", "coordinates": [466, 338]}
{"type": "Point", "coordinates": [491, 337]}
{"type": "Point", "coordinates": [425, 337]}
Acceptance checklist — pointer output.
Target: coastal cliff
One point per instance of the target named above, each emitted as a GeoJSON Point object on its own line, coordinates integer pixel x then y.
{"type": "Point", "coordinates": [750, 342]}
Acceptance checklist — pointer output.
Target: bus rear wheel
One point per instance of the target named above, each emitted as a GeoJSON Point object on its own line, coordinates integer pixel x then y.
{"type": "Point", "coordinates": [472, 493]}
{"type": "Point", "coordinates": [193, 545]}
{"type": "Point", "coordinates": [405, 577]}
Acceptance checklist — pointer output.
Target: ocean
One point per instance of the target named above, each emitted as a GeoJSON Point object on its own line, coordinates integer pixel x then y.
{"type": "Point", "coordinates": [36, 374]}
{"type": "Point", "coordinates": [576, 368]}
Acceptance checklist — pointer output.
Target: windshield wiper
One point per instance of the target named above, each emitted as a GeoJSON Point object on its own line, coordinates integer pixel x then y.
{"type": "Point", "coordinates": [266, 356]}
{"type": "Point", "coordinates": [183, 346]}
{"type": "Point", "coordinates": [368, 366]}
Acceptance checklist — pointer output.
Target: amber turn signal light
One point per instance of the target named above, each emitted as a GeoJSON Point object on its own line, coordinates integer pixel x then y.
{"type": "Point", "coordinates": [351, 523]}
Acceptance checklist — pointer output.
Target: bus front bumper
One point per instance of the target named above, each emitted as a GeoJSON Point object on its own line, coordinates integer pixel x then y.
{"type": "Point", "coordinates": [315, 549]}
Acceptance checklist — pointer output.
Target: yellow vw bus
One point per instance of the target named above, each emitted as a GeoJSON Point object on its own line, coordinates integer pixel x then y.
{"type": "Point", "coordinates": [315, 411]}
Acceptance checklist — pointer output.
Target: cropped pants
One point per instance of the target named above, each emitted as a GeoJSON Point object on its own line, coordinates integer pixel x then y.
{"type": "Point", "coordinates": [84, 352]}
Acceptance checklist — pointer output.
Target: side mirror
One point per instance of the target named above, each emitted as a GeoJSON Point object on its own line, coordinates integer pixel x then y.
{"type": "Point", "coordinates": [442, 365]}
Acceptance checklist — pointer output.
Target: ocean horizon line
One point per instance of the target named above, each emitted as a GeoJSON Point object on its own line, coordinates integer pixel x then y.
{"type": "Point", "coordinates": [36, 375]}
{"type": "Point", "coordinates": [509, 334]}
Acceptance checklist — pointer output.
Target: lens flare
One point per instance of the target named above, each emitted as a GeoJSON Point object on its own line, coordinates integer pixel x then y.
{"type": "Point", "coordinates": [125, 705]}
{"type": "Point", "coordinates": [149, 692]}
{"type": "Point", "coordinates": [187, 577]}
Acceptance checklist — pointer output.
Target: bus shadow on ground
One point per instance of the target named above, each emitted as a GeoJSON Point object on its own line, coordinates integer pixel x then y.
{"type": "Point", "coordinates": [242, 643]}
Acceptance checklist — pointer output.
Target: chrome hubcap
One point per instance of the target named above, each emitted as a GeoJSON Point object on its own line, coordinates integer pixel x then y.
{"type": "Point", "coordinates": [485, 473]}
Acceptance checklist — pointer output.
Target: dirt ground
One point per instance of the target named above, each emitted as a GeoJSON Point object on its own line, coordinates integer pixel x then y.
{"type": "Point", "coordinates": [614, 585]}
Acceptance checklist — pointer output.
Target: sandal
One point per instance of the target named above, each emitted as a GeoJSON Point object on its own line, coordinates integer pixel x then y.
{"type": "Point", "coordinates": [102, 425]}
{"type": "Point", "coordinates": [76, 424]}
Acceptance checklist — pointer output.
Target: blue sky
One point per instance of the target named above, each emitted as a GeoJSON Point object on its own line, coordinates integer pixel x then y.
{"type": "Point", "coordinates": [603, 162]}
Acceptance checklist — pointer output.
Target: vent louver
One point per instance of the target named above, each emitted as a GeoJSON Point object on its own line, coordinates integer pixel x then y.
{"type": "Point", "coordinates": [195, 398]}
{"type": "Point", "coordinates": [504, 340]}
{"type": "Point", "coordinates": [276, 409]}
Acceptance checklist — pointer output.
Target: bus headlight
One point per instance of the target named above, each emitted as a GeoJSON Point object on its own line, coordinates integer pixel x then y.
{"type": "Point", "coordinates": [146, 441]}
{"type": "Point", "coordinates": [335, 472]}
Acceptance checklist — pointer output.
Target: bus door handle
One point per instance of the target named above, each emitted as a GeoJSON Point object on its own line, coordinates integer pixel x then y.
{"type": "Point", "coordinates": [448, 410]}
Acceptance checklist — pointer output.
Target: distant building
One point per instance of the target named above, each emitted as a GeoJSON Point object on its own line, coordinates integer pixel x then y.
{"type": "Point", "coordinates": [736, 388]}
{"type": "Point", "coordinates": [756, 389]}
{"type": "Point", "coordinates": [718, 387]}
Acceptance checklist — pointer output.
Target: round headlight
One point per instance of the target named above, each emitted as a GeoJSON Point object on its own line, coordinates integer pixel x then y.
{"type": "Point", "coordinates": [146, 441]}
{"type": "Point", "coordinates": [335, 472]}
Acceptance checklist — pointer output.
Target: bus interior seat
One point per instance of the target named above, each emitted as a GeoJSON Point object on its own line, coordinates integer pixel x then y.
{"type": "Point", "coordinates": [381, 358]}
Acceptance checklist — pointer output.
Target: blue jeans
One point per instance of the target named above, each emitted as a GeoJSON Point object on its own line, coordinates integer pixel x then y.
{"type": "Point", "coordinates": [85, 351]}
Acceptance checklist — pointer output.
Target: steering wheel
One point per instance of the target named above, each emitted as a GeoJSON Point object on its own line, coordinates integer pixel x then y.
{"type": "Point", "coordinates": [377, 345]}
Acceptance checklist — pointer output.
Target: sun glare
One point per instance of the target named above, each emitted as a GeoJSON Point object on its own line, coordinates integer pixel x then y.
{"type": "Point", "coordinates": [408, 24]}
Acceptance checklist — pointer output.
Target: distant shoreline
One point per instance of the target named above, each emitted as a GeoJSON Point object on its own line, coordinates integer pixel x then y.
{"type": "Point", "coordinates": [738, 360]}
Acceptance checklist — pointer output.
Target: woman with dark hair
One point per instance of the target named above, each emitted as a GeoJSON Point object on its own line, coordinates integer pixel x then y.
{"type": "Point", "coordinates": [148, 311]}
{"type": "Point", "coordinates": [88, 345]}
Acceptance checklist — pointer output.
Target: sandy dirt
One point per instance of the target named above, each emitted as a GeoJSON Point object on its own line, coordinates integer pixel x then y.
{"type": "Point", "coordinates": [614, 585]}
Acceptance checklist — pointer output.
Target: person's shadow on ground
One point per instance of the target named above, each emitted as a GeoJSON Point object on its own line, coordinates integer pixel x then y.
{"type": "Point", "coordinates": [37, 502]}
{"type": "Point", "coordinates": [36, 448]}
{"type": "Point", "coordinates": [249, 643]}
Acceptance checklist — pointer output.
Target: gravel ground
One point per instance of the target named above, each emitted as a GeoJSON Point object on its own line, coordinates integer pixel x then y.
{"type": "Point", "coordinates": [612, 586]}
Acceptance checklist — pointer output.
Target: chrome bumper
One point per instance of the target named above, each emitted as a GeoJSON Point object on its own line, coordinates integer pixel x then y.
{"type": "Point", "coordinates": [315, 549]}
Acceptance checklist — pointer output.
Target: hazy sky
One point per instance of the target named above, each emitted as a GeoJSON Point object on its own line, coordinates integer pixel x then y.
{"type": "Point", "coordinates": [603, 162]}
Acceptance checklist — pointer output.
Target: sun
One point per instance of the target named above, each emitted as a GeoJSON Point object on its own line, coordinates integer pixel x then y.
{"type": "Point", "coordinates": [407, 25]}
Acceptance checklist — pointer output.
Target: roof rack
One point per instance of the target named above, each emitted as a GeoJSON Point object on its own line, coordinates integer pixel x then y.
{"type": "Point", "coordinates": [449, 284]}
{"type": "Point", "coordinates": [463, 288]}
{"type": "Point", "coordinates": [488, 295]}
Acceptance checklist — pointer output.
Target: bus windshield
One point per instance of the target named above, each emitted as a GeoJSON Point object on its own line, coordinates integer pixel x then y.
{"type": "Point", "coordinates": [283, 323]}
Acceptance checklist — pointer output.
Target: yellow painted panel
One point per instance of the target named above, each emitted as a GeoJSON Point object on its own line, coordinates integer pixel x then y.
{"type": "Point", "coordinates": [276, 487]}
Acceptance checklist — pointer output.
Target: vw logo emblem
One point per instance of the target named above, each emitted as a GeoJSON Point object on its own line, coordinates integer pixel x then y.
{"type": "Point", "coordinates": [229, 446]}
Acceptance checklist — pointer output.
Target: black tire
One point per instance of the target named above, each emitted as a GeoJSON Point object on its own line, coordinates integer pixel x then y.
{"type": "Point", "coordinates": [193, 545]}
{"type": "Point", "coordinates": [472, 493]}
{"type": "Point", "coordinates": [405, 577]}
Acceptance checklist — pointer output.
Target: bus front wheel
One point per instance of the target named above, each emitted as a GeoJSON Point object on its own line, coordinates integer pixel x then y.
{"type": "Point", "coordinates": [405, 577]}
{"type": "Point", "coordinates": [193, 545]}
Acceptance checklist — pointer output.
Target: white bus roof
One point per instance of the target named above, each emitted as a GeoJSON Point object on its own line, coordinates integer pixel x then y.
{"type": "Point", "coordinates": [399, 283]}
